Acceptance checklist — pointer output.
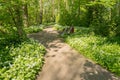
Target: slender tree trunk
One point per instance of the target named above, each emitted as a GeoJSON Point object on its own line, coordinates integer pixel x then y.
{"type": "Point", "coordinates": [37, 11]}
{"type": "Point", "coordinates": [89, 15]}
{"type": "Point", "coordinates": [119, 7]}
{"type": "Point", "coordinates": [79, 9]}
{"type": "Point", "coordinates": [25, 15]}
{"type": "Point", "coordinates": [118, 23]}
{"type": "Point", "coordinates": [19, 22]}
{"type": "Point", "coordinates": [53, 8]}
{"type": "Point", "coordinates": [41, 11]}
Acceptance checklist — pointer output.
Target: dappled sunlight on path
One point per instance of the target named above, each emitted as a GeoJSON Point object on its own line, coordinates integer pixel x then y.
{"type": "Point", "coordinates": [64, 63]}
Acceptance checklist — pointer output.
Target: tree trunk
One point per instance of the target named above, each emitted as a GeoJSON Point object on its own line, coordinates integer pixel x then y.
{"type": "Point", "coordinates": [41, 11]}
{"type": "Point", "coordinates": [79, 9]}
{"type": "Point", "coordinates": [19, 22]}
{"type": "Point", "coordinates": [25, 15]}
{"type": "Point", "coordinates": [89, 15]}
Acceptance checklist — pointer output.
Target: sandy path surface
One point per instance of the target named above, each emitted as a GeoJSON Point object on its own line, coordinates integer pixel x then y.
{"type": "Point", "coordinates": [64, 63]}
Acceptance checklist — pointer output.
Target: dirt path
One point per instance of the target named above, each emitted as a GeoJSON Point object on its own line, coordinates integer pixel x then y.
{"type": "Point", "coordinates": [64, 63]}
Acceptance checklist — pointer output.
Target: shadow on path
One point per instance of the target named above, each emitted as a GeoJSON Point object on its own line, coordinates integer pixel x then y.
{"type": "Point", "coordinates": [64, 63]}
{"type": "Point", "coordinates": [46, 37]}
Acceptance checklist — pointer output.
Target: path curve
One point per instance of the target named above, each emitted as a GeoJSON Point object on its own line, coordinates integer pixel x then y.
{"type": "Point", "coordinates": [64, 63]}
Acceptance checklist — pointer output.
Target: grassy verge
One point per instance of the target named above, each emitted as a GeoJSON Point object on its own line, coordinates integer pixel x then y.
{"type": "Point", "coordinates": [38, 28]}
{"type": "Point", "coordinates": [103, 50]}
{"type": "Point", "coordinates": [21, 61]}
{"type": "Point", "coordinates": [34, 29]}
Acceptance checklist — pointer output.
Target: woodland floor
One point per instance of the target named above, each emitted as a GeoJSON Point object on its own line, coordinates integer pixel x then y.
{"type": "Point", "coordinates": [64, 63]}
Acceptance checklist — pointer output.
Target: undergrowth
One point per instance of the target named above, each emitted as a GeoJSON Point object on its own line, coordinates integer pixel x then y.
{"type": "Point", "coordinates": [34, 29]}
{"type": "Point", "coordinates": [103, 50]}
{"type": "Point", "coordinates": [37, 28]}
{"type": "Point", "coordinates": [21, 61]}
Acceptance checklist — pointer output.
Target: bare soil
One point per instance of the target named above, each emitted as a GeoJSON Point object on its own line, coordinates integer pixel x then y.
{"type": "Point", "coordinates": [64, 63]}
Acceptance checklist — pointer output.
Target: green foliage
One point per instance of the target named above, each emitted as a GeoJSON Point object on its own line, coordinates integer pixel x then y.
{"type": "Point", "coordinates": [37, 28]}
{"type": "Point", "coordinates": [33, 29]}
{"type": "Point", "coordinates": [68, 13]}
{"type": "Point", "coordinates": [102, 15]}
{"type": "Point", "coordinates": [104, 50]}
{"type": "Point", "coordinates": [21, 61]}
{"type": "Point", "coordinates": [59, 27]}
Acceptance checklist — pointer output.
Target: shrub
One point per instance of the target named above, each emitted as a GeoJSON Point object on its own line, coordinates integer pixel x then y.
{"type": "Point", "coordinates": [102, 50]}
{"type": "Point", "coordinates": [33, 29]}
{"type": "Point", "coordinates": [21, 62]}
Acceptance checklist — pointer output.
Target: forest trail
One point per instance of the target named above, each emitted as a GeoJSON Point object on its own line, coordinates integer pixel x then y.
{"type": "Point", "coordinates": [64, 63]}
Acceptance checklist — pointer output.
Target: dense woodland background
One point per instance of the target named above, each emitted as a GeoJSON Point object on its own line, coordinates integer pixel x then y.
{"type": "Point", "coordinates": [100, 19]}
{"type": "Point", "coordinates": [102, 15]}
